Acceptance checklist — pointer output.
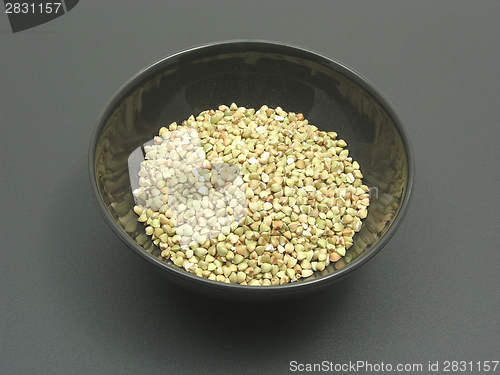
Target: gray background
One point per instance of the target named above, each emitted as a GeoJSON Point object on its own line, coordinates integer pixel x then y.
{"type": "Point", "coordinates": [75, 300]}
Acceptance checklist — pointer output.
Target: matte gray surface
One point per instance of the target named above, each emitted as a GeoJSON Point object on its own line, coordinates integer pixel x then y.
{"type": "Point", "coordinates": [75, 300]}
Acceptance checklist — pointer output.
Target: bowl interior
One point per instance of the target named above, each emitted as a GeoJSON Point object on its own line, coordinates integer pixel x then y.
{"type": "Point", "coordinates": [330, 95]}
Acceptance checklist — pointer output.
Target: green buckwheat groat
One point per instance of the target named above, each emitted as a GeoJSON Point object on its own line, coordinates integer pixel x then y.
{"type": "Point", "coordinates": [250, 197]}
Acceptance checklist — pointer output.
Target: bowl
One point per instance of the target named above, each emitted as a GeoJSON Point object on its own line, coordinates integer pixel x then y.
{"type": "Point", "coordinates": [252, 73]}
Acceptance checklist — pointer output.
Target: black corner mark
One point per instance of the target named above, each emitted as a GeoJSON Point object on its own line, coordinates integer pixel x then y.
{"type": "Point", "coordinates": [70, 4]}
{"type": "Point", "coordinates": [24, 14]}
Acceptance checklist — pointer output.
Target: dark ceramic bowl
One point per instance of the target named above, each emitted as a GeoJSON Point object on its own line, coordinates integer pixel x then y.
{"type": "Point", "coordinates": [252, 73]}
